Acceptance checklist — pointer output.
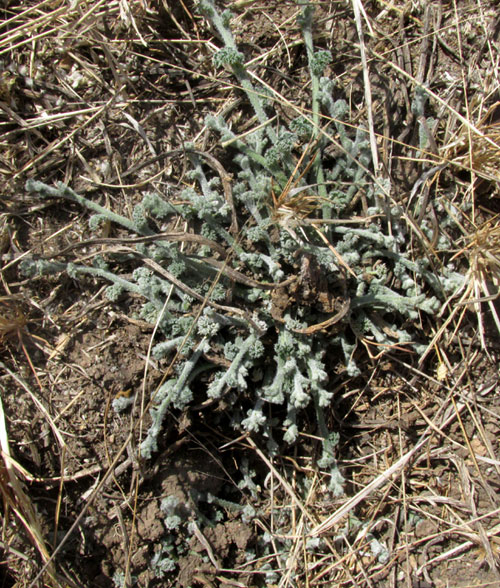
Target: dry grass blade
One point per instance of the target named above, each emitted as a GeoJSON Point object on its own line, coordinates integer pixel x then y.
{"type": "Point", "coordinates": [450, 553]}
{"type": "Point", "coordinates": [291, 203]}
{"type": "Point", "coordinates": [358, 10]}
{"type": "Point", "coordinates": [15, 499]}
{"type": "Point", "coordinates": [350, 504]}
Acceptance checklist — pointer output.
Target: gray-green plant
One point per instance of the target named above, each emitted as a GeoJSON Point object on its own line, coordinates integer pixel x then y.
{"type": "Point", "coordinates": [242, 296]}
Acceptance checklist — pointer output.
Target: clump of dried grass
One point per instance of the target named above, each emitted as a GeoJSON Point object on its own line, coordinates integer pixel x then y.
{"type": "Point", "coordinates": [479, 153]}
{"type": "Point", "coordinates": [12, 319]}
{"type": "Point", "coordinates": [483, 283]}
